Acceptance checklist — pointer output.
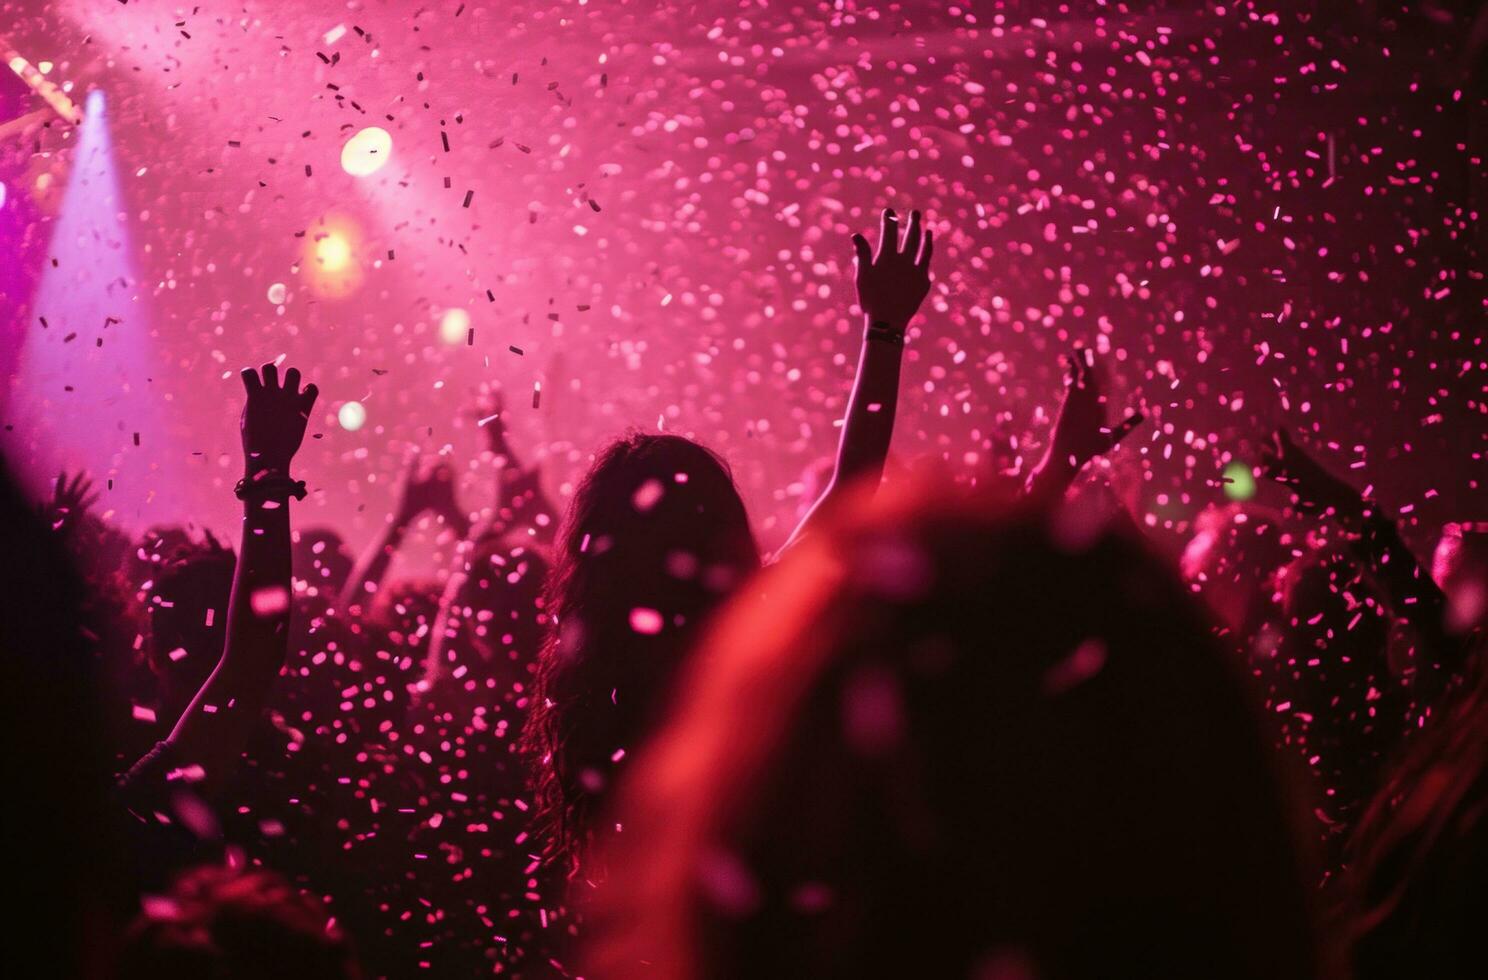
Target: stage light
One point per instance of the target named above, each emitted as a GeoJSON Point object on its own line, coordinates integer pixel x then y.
{"type": "Point", "coordinates": [80, 394]}
{"type": "Point", "coordinates": [49, 91]}
{"type": "Point", "coordinates": [352, 416]}
{"type": "Point", "coordinates": [367, 152]}
{"type": "Point", "coordinates": [454, 326]}
{"type": "Point", "coordinates": [2, 193]}
{"type": "Point", "coordinates": [1239, 481]}
{"type": "Point", "coordinates": [333, 251]}
{"type": "Point", "coordinates": [331, 266]}
{"type": "Point", "coordinates": [278, 294]}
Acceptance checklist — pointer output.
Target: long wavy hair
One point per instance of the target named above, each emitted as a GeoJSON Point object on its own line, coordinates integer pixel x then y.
{"type": "Point", "coordinates": [656, 537]}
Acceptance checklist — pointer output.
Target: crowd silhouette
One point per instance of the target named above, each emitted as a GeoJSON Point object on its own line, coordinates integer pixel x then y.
{"type": "Point", "coordinates": [942, 731]}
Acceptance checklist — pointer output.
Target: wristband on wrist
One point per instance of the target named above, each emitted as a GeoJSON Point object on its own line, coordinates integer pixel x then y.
{"type": "Point", "coordinates": [268, 485]}
{"type": "Point", "coordinates": [881, 330]}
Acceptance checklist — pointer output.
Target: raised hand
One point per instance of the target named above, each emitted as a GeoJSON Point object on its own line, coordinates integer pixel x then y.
{"type": "Point", "coordinates": [894, 282]}
{"type": "Point", "coordinates": [274, 418]}
{"type": "Point", "coordinates": [1081, 432]}
{"type": "Point", "coordinates": [428, 488]}
{"type": "Point", "coordinates": [73, 498]}
{"type": "Point", "coordinates": [71, 501]}
{"type": "Point", "coordinates": [490, 415]}
{"type": "Point", "coordinates": [1313, 488]}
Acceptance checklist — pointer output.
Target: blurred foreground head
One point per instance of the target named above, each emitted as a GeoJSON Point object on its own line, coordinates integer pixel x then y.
{"type": "Point", "coordinates": [954, 739]}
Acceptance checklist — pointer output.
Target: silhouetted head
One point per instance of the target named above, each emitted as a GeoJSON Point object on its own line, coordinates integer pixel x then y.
{"type": "Point", "coordinates": [1232, 560]}
{"type": "Point", "coordinates": [941, 739]}
{"type": "Point", "coordinates": [188, 620]}
{"type": "Point", "coordinates": [158, 545]}
{"type": "Point", "coordinates": [235, 925]}
{"type": "Point", "coordinates": [1329, 605]}
{"type": "Point", "coordinates": [655, 538]}
{"type": "Point", "coordinates": [1460, 567]}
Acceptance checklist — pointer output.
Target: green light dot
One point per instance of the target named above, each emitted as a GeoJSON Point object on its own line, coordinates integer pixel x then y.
{"type": "Point", "coordinates": [1239, 481]}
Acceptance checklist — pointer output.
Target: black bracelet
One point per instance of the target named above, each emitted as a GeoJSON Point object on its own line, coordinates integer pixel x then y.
{"type": "Point", "coordinates": [880, 330]}
{"type": "Point", "coordinates": [269, 484]}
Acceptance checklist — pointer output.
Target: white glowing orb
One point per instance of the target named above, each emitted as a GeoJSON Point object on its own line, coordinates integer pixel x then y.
{"type": "Point", "coordinates": [333, 252]}
{"type": "Point", "coordinates": [278, 294]}
{"type": "Point", "coordinates": [367, 151]}
{"type": "Point", "coordinates": [454, 326]}
{"type": "Point", "coordinates": [352, 416]}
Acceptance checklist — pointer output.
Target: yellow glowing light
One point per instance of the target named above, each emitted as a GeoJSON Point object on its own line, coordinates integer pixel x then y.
{"type": "Point", "coordinates": [333, 252]}
{"type": "Point", "coordinates": [454, 326]}
{"type": "Point", "coordinates": [352, 416]}
{"type": "Point", "coordinates": [332, 265]}
{"type": "Point", "coordinates": [367, 151]}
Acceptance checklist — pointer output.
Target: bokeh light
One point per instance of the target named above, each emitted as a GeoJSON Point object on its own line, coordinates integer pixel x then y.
{"type": "Point", "coordinates": [352, 416]}
{"type": "Point", "coordinates": [454, 326]}
{"type": "Point", "coordinates": [333, 252]}
{"type": "Point", "coordinates": [332, 266]}
{"type": "Point", "coordinates": [278, 294]}
{"type": "Point", "coordinates": [1239, 481]}
{"type": "Point", "coordinates": [367, 152]}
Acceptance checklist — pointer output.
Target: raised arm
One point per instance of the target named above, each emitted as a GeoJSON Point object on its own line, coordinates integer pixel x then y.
{"type": "Point", "coordinates": [425, 487]}
{"type": "Point", "coordinates": [519, 496]}
{"type": "Point", "coordinates": [1412, 594]}
{"type": "Point", "coordinates": [1080, 432]}
{"type": "Point", "coordinates": [213, 729]}
{"type": "Point", "coordinates": [891, 286]}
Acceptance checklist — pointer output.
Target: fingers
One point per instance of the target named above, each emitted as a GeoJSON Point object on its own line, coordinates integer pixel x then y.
{"type": "Point", "coordinates": [888, 234]}
{"type": "Point", "coordinates": [928, 250]}
{"type": "Point", "coordinates": [912, 237]}
{"type": "Point", "coordinates": [250, 380]}
{"type": "Point", "coordinates": [1071, 371]}
{"type": "Point", "coordinates": [1124, 428]}
{"type": "Point", "coordinates": [1277, 446]}
{"type": "Point", "coordinates": [292, 380]}
{"type": "Point", "coordinates": [270, 375]}
{"type": "Point", "coordinates": [1271, 454]}
{"type": "Point", "coordinates": [1285, 447]}
{"type": "Point", "coordinates": [307, 398]}
{"type": "Point", "coordinates": [1077, 365]}
{"type": "Point", "coordinates": [863, 251]}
